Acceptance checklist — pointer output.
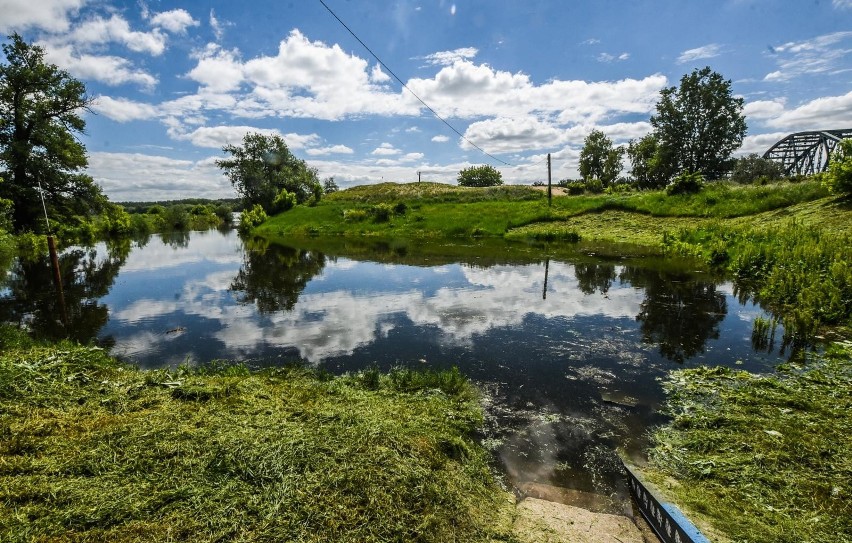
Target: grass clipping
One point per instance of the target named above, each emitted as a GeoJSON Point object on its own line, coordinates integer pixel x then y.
{"type": "Point", "coordinates": [94, 451]}
{"type": "Point", "coordinates": [765, 458]}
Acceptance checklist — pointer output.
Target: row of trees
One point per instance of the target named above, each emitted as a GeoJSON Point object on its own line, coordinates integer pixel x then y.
{"type": "Point", "coordinates": [697, 127]}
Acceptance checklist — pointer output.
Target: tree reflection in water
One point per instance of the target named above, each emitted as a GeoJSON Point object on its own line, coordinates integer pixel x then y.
{"type": "Point", "coordinates": [679, 312]}
{"type": "Point", "coordinates": [592, 277]}
{"type": "Point", "coordinates": [272, 276]}
{"type": "Point", "coordinates": [31, 297]}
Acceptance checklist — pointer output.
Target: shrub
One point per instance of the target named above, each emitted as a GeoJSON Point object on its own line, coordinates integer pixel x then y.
{"type": "Point", "coordinates": [283, 201]}
{"type": "Point", "coordinates": [755, 169]}
{"type": "Point", "coordinates": [838, 177]}
{"type": "Point", "coordinates": [252, 218]}
{"type": "Point", "coordinates": [225, 213]}
{"type": "Point", "coordinates": [381, 212]}
{"type": "Point", "coordinates": [686, 183]}
{"type": "Point", "coordinates": [176, 217]}
{"type": "Point", "coordinates": [400, 208]}
{"type": "Point", "coordinates": [575, 187]}
{"type": "Point", "coordinates": [594, 186]}
{"type": "Point", "coordinates": [354, 215]}
{"type": "Point", "coordinates": [480, 176]}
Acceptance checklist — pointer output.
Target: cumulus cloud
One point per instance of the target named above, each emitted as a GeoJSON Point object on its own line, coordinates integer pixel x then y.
{"type": "Point", "coordinates": [440, 139]}
{"type": "Point", "coordinates": [108, 69]}
{"type": "Point", "coordinates": [468, 90]}
{"type": "Point", "coordinates": [504, 135]}
{"type": "Point", "coordinates": [826, 112]}
{"type": "Point", "coordinates": [219, 70]}
{"type": "Point", "coordinates": [100, 31]}
{"type": "Point", "coordinates": [164, 178]}
{"type": "Point", "coordinates": [315, 80]}
{"type": "Point", "coordinates": [216, 137]}
{"type": "Point", "coordinates": [386, 149]}
{"type": "Point", "coordinates": [123, 110]}
{"type": "Point", "coordinates": [49, 15]}
{"type": "Point", "coordinates": [331, 150]}
{"type": "Point", "coordinates": [175, 21]}
{"type": "Point", "coordinates": [710, 50]}
{"type": "Point", "coordinates": [820, 55]}
{"type": "Point", "coordinates": [764, 109]}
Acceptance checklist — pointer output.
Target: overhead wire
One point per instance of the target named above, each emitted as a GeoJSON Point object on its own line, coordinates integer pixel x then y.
{"type": "Point", "coordinates": [401, 82]}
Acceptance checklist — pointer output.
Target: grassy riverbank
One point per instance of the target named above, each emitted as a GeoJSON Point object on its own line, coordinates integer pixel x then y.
{"type": "Point", "coordinates": [96, 451]}
{"type": "Point", "coordinates": [763, 458]}
{"type": "Point", "coordinates": [786, 244]}
{"type": "Point", "coordinates": [431, 210]}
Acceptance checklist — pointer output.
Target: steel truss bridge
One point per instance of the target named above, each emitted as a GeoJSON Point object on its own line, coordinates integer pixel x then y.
{"type": "Point", "coordinates": [806, 153]}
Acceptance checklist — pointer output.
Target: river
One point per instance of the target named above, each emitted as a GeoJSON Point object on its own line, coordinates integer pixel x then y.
{"type": "Point", "coordinates": [569, 351]}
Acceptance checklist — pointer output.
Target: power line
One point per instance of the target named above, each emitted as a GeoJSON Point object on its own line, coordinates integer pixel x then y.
{"type": "Point", "coordinates": [401, 82]}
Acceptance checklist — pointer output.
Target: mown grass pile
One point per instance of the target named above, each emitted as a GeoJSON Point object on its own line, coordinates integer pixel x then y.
{"type": "Point", "coordinates": [764, 458]}
{"type": "Point", "coordinates": [95, 451]}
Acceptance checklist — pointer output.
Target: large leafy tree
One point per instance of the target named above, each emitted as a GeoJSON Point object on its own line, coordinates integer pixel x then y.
{"type": "Point", "coordinates": [647, 168]}
{"type": "Point", "coordinates": [480, 176]}
{"type": "Point", "coordinates": [699, 124]}
{"type": "Point", "coordinates": [599, 158]}
{"type": "Point", "coordinates": [40, 115]}
{"type": "Point", "coordinates": [263, 167]}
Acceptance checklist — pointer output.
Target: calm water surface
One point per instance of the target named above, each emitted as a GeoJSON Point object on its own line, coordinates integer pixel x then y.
{"type": "Point", "coordinates": [569, 352]}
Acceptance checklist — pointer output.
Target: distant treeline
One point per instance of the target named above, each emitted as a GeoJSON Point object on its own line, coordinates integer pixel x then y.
{"type": "Point", "coordinates": [142, 207]}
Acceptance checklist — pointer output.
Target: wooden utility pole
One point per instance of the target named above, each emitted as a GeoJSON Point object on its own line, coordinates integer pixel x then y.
{"type": "Point", "coordinates": [54, 261]}
{"type": "Point", "coordinates": [549, 189]}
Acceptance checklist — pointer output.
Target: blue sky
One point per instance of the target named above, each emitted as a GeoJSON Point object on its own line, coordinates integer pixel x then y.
{"type": "Point", "coordinates": [175, 81]}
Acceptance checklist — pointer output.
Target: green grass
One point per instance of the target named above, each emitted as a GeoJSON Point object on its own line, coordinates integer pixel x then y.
{"type": "Point", "coordinates": [444, 211]}
{"type": "Point", "coordinates": [92, 450]}
{"type": "Point", "coordinates": [763, 458]}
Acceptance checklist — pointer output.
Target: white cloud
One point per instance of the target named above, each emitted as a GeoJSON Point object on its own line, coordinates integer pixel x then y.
{"type": "Point", "coordinates": [822, 113]}
{"type": "Point", "coordinates": [99, 31]}
{"type": "Point", "coordinates": [378, 76]}
{"type": "Point", "coordinates": [705, 51]}
{"type": "Point", "coordinates": [131, 176]}
{"type": "Point", "coordinates": [447, 58]}
{"type": "Point", "coordinates": [607, 58]}
{"type": "Point", "coordinates": [314, 80]}
{"type": "Point", "coordinates": [216, 137]}
{"type": "Point", "coordinates": [842, 4]}
{"type": "Point", "coordinates": [763, 109]}
{"type": "Point", "coordinates": [467, 90]}
{"type": "Point", "coordinates": [217, 26]}
{"type": "Point", "coordinates": [332, 150]}
{"type": "Point", "coordinates": [219, 70]}
{"type": "Point", "coordinates": [440, 139]}
{"type": "Point", "coordinates": [123, 110]}
{"type": "Point", "coordinates": [50, 15]}
{"type": "Point", "coordinates": [176, 20]}
{"type": "Point", "coordinates": [505, 135]}
{"type": "Point", "coordinates": [820, 55]}
{"type": "Point", "coordinates": [759, 143]}
{"type": "Point", "coordinates": [386, 149]}
{"type": "Point", "coordinates": [111, 70]}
